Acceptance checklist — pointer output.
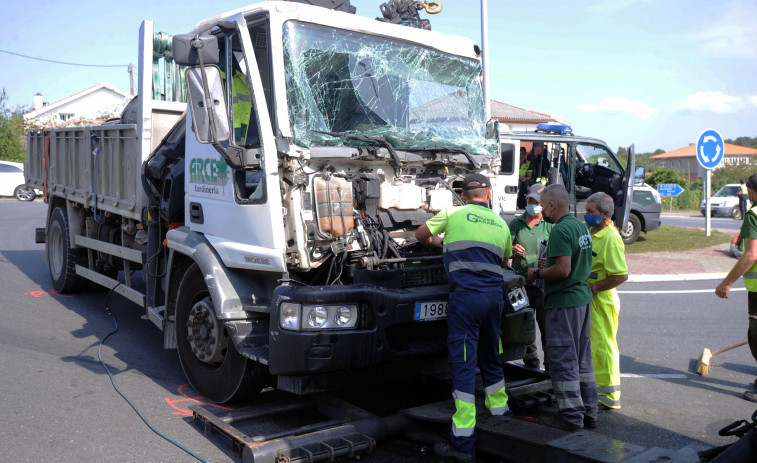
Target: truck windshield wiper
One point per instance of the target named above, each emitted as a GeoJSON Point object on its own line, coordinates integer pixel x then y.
{"type": "Point", "coordinates": [446, 149]}
{"type": "Point", "coordinates": [366, 138]}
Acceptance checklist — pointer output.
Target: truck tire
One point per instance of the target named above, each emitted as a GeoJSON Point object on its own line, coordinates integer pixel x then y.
{"type": "Point", "coordinates": [61, 257]}
{"type": "Point", "coordinates": [210, 362]}
{"type": "Point", "coordinates": [633, 229]}
{"type": "Point", "coordinates": [24, 193]}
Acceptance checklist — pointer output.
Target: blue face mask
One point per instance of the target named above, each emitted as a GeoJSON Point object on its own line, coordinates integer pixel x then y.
{"type": "Point", "coordinates": [533, 209]}
{"type": "Point", "coordinates": [593, 220]}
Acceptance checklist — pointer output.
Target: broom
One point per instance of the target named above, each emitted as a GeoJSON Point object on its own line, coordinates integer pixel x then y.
{"type": "Point", "coordinates": [703, 363]}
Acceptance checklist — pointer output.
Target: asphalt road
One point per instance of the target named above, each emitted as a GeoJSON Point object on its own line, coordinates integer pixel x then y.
{"type": "Point", "coordinates": [724, 224]}
{"type": "Point", "coordinates": [57, 403]}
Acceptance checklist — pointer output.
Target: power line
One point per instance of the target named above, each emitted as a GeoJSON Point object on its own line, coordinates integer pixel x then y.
{"type": "Point", "coordinates": [70, 64]}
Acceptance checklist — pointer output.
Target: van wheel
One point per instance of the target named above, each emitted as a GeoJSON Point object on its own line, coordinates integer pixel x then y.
{"type": "Point", "coordinates": [24, 193]}
{"type": "Point", "coordinates": [736, 212]}
{"type": "Point", "coordinates": [61, 257]}
{"type": "Point", "coordinates": [632, 231]}
{"type": "Point", "coordinates": [210, 362]}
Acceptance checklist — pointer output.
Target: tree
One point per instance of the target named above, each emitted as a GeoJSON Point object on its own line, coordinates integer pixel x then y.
{"type": "Point", "coordinates": [12, 140]}
{"type": "Point", "coordinates": [732, 173]}
{"type": "Point", "coordinates": [663, 175]}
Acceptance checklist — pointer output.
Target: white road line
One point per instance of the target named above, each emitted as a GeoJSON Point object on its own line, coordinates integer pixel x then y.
{"type": "Point", "coordinates": [654, 376]}
{"type": "Point", "coordinates": [678, 291]}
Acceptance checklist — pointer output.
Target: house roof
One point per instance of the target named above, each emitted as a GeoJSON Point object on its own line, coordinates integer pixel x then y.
{"type": "Point", "coordinates": [509, 113]}
{"type": "Point", "coordinates": [50, 107]}
{"type": "Point", "coordinates": [691, 151]}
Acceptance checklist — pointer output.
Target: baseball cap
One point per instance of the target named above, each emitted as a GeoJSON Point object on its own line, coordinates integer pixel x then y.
{"type": "Point", "coordinates": [535, 191]}
{"type": "Point", "coordinates": [475, 181]}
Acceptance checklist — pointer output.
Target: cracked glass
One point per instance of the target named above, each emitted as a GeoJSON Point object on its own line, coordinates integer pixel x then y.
{"type": "Point", "coordinates": [352, 84]}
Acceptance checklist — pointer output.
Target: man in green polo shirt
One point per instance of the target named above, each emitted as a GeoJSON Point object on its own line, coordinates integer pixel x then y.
{"type": "Point", "coordinates": [747, 267]}
{"type": "Point", "coordinates": [530, 232]}
{"type": "Point", "coordinates": [567, 300]}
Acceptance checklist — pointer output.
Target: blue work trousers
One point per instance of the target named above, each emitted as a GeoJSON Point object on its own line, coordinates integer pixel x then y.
{"type": "Point", "coordinates": [473, 321]}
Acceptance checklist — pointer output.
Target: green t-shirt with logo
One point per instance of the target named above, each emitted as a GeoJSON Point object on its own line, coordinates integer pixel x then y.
{"type": "Point", "coordinates": [529, 238]}
{"type": "Point", "coordinates": [569, 237]}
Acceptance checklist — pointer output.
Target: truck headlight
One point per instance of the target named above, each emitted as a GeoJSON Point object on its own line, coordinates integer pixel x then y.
{"type": "Point", "coordinates": [317, 317]}
{"type": "Point", "coordinates": [517, 297]}
{"type": "Point", "coordinates": [297, 317]}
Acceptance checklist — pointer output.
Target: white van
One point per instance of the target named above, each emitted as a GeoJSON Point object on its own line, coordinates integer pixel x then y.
{"type": "Point", "coordinates": [13, 183]}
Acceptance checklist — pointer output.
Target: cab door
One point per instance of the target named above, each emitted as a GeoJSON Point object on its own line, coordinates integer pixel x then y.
{"type": "Point", "coordinates": [625, 195]}
{"type": "Point", "coordinates": [505, 191]}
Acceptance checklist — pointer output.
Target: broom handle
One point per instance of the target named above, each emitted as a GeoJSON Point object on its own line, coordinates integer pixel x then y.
{"type": "Point", "coordinates": [720, 351]}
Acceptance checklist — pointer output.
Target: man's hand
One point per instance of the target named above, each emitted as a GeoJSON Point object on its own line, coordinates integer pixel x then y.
{"type": "Point", "coordinates": [518, 250]}
{"type": "Point", "coordinates": [723, 290]}
{"type": "Point", "coordinates": [437, 241]}
{"type": "Point", "coordinates": [530, 274]}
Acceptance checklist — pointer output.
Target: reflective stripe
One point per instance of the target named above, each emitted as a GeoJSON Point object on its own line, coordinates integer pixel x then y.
{"type": "Point", "coordinates": [569, 402]}
{"type": "Point", "coordinates": [464, 397]}
{"type": "Point", "coordinates": [610, 403]}
{"type": "Point", "coordinates": [461, 245]}
{"type": "Point", "coordinates": [567, 386]}
{"type": "Point", "coordinates": [476, 267]}
{"type": "Point", "coordinates": [587, 378]}
{"type": "Point", "coordinates": [241, 97]}
{"type": "Point", "coordinates": [495, 387]}
{"type": "Point", "coordinates": [750, 275]}
{"type": "Point", "coordinates": [608, 389]}
{"type": "Point", "coordinates": [499, 411]}
{"type": "Point", "coordinates": [461, 432]}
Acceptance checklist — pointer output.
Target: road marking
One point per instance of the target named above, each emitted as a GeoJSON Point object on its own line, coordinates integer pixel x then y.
{"type": "Point", "coordinates": [679, 277]}
{"type": "Point", "coordinates": [655, 376]}
{"type": "Point", "coordinates": [678, 291]}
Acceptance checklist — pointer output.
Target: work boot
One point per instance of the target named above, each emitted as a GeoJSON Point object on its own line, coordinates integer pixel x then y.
{"type": "Point", "coordinates": [532, 363]}
{"type": "Point", "coordinates": [446, 451]}
{"type": "Point", "coordinates": [750, 396]}
{"type": "Point", "coordinates": [590, 423]}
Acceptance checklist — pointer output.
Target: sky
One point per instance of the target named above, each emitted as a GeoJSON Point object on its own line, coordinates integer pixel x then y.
{"type": "Point", "coordinates": [654, 73]}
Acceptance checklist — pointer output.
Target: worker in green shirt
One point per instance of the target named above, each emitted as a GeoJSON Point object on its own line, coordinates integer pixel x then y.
{"type": "Point", "coordinates": [608, 270]}
{"type": "Point", "coordinates": [743, 197]}
{"type": "Point", "coordinates": [530, 233]}
{"type": "Point", "coordinates": [567, 302]}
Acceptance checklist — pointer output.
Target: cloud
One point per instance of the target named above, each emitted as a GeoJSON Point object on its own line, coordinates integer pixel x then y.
{"type": "Point", "coordinates": [715, 102]}
{"type": "Point", "coordinates": [733, 35]}
{"type": "Point", "coordinates": [618, 104]}
{"type": "Point", "coordinates": [604, 7]}
{"type": "Point", "coordinates": [753, 99]}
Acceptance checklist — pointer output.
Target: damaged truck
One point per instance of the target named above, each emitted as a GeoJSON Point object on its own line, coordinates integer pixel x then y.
{"type": "Point", "coordinates": [272, 213]}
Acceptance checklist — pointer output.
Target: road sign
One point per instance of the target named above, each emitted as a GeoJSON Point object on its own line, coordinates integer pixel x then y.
{"type": "Point", "coordinates": [669, 189]}
{"type": "Point", "coordinates": [710, 149]}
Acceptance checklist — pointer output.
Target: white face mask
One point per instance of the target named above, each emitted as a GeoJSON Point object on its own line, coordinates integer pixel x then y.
{"type": "Point", "coordinates": [533, 209]}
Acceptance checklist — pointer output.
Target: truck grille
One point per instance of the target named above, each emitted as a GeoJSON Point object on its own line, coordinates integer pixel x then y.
{"type": "Point", "coordinates": [426, 277]}
{"type": "Point", "coordinates": [420, 337]}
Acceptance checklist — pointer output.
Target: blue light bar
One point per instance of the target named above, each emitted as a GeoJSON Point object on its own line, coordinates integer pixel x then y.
{"type": "Point", "coordinates": [559, 129]}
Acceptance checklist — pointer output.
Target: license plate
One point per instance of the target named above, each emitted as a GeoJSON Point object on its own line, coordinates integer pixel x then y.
{"type": "Point", "coordinates": [431, 310]}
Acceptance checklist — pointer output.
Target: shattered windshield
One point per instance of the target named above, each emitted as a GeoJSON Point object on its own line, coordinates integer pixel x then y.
{"type": "Point", "coordinates": [352, 83]}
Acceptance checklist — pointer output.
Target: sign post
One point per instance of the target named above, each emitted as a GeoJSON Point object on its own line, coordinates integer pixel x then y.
{"type": "Point", "coordinates": [669, 189]}
{"type": "Point", "coordinates": [710, 152]}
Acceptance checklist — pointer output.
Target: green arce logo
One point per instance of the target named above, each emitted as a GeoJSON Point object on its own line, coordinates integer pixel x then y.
{"type": "Point", "coordinates": [208, 171]}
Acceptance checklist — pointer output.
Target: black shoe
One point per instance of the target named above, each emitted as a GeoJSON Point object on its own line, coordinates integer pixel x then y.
{"type": "Point", "coordinates": [590, 423]}
{"type": "Point", "coordinates": [447, 452]}
{"type": "Point", "coordinates": [557, 423]}
{"type": "Point", "coordinates": [755, 383]}
{"type": "Point", "coordinates": [531, 363]}
{"type": "Point", "coordinates": [750, 396]}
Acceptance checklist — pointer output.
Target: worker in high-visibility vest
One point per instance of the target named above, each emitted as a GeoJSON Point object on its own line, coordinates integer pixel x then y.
{"type": "Point", "coordinates": [746, 266]}
{"type": "Point", "coordinates": [608, 270]}
{"type": "Point", "coordinates": [476, 246]}
{"type": "Point", "coordinates": [245, 125]}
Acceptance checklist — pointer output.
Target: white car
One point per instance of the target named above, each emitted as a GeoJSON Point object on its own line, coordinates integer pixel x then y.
{"type": "Point", "coordinates": [13, 183]}
{"type": "Point", "coordinates": [725, 202]}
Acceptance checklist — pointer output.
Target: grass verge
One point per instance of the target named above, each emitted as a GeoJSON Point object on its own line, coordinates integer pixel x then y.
{"type": "Point", "coordinates": [671, 239]}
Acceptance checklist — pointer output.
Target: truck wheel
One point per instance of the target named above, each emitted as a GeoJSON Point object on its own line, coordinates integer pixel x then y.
{"type": "Point", "coordinates": [61, 258]}
{"type": "Point", "coordinates": [24, 193]}
{"type": "Point", "coordinates": [632, 231]}
{"type": "Point", "coordinates": [736, 212]}
{"type": "Point", "coordinates": [210, 362]}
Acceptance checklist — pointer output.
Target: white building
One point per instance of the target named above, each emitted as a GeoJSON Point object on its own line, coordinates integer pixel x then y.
{"type": "Point", "coordinates": [99, 102]}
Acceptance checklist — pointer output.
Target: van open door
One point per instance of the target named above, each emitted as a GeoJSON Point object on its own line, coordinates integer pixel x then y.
{"type": "Point", "coordinates": [623, 200]}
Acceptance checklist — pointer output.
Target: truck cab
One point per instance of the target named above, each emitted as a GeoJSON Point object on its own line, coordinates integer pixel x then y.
{"type": "Point", "coordinates": [553, 154]}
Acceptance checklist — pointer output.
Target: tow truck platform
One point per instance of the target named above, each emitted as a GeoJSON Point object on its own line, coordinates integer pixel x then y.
{"type": "Point", "coordinates": [324, 427]}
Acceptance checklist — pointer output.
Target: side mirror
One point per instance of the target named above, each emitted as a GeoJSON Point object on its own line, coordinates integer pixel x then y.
{"type": "Point", "coordinates": [492, 130]}
{"type": "Point", "coordinates": [195, 50]}
{"type": "Point", "coordinates": [210, 120]}
{"type": "Point", "coordinates": [639, 176]}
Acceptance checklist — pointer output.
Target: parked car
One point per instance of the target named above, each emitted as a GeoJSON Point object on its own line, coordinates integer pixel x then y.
{"type": "Point", "coordinates": [645, 213]}
{"type": "Point", "coordinates": [13, 183]}
{"type": "Point", "coordinates": [725, 202]}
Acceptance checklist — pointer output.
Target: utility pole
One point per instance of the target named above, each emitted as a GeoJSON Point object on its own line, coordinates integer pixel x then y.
{"type": "Point", "coordinates": [131, 78]}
